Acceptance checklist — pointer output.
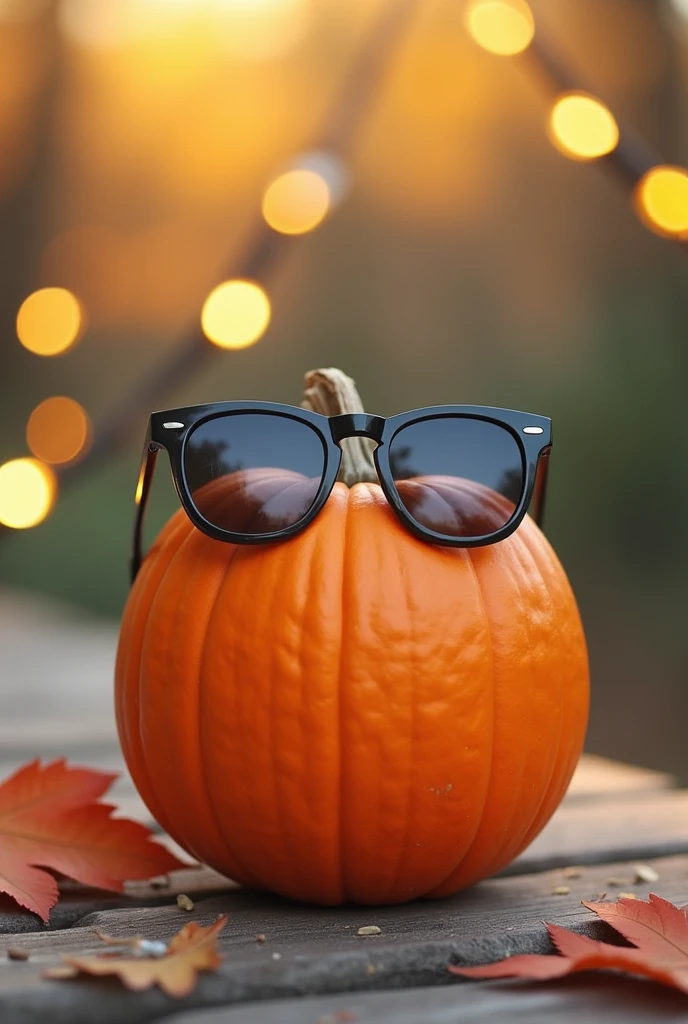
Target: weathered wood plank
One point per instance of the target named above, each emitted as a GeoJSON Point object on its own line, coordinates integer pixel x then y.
{"type": "Point", "coordinates": [318, 949]}
{"type": "Point", "coordinates": [586, 999]}
{"type": "Point", "coordinates": [649, 825]}
{"type": "Point", "coordinates": [599, 777]}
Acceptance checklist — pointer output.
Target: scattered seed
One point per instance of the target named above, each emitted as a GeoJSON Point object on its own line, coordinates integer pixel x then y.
{"type": "Point", "coordinates": [276, 956]}
{"type": "Point", "coordinates": [369, 929]}
{"type": "Point", "coordinates": [617, 881]}
{"type": "Point", "coordinates": [260, 937]}
{"type": "Point", "coordinates": [184, 901]}
{"type": "Point", "coordinates": [573, 872]}
{"type": "Point", "coordinates": [561, 890]}
{"type": "Point", "coordinates": [627, 896]}
{"type": "Point", "coordinates": [17, 953]}
{"type": "Point", "coordinates": [644, 873]}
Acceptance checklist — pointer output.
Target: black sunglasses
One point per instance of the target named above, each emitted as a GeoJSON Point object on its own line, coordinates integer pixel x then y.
{"type": "Point", "coordinates": [254, 472]}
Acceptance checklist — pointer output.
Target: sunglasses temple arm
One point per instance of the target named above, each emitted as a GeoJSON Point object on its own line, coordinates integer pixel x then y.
{"type": "Point", "coordinates": [150, 454]}
{"type": "Point", "coordinates": [540, 488]}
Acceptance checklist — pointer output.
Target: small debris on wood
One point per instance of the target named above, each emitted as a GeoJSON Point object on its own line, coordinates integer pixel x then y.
{"type": "Point", "coordinates": [369, 929]}
{"type": "Point", "coordinates": [184, 901]}
{"type": "Point", "coordinates": [598, 899]}
{"type": "Point", "coordinates": [644, 873]}
{"type": "Point", "coordinates": [627, 896]}
{"type": "Point", "coordinates": [17, 953]}
{"type": "Point", "coordinates": [615, 882]}
{"type": "Point", "coordinates": [573, 872]}
{"type": "Point", "coordinates": [561, 890]}
{"type": "Point", "coordinates": [136, 944]}
{"type": "Point", "coordinates": [371, 969]}
{"type": "Point", "coordinates": [276, 956]}
{"type": "Point", "coordinates": [260, 937]}
{"type": "Point", "coordinates": [61, 972]}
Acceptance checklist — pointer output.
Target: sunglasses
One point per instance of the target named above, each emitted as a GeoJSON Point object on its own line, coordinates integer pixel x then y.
{"type": "Point", "coordinates": [255, 472]}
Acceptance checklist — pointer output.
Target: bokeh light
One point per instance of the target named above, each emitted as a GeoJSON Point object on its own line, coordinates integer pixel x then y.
{"type": "Point", "coordinates": [581, 127]}
{"type": "Point", "coordinates": [28, 489]}
{"type": "Point", "coordinates": [296, 202]}
{"type": "Point", "coordinates": [236, 314]}
{"type": "Point", "coordinates": [58, 430]}
{"type": "Point", "coordinates": [661, 200]}
{"type": "Point", "coordinates": [504, 27]}
{"type": "Point", "coordinates": [49, 321]}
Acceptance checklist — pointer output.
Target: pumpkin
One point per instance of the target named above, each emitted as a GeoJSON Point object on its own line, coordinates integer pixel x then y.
{"type": "Point", "coordinates": [352, 714]}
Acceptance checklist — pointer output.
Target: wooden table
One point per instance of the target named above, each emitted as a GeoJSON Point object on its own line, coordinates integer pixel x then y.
{"type": "Point", "coordinates": [313, 967]}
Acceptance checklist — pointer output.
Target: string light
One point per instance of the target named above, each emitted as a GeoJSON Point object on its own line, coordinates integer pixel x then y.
{"type": "Point", "coordinates": [49, 321]}
{"type": "Point", "coordinates": [58, 430]}
{"type": "Point", "coordinates": [28, 489]}
{"type": "Point", "coordinates": [296, 202]}
{"type": "Point", "coordinates": [661, 199]}
{"type": "Point", "coordinates": [582, 127]}
{"type": "Point", "coordinates": [504, 27]}
{"type": "Point", "coordinates": [236, 314]}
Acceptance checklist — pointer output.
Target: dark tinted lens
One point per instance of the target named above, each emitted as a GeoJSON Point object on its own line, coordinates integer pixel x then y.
{"type": "Point", "coordinates": [457, 476]}
{"type": "Point", "coordinates": [253, 473]}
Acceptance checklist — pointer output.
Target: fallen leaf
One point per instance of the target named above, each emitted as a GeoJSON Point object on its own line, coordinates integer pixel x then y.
{"type": "Point", "coordinates": [49, 818]}
{"type": "Point", "coordinates": [193, 949]}
{"type": "Point", "coordinates": [657, 929]}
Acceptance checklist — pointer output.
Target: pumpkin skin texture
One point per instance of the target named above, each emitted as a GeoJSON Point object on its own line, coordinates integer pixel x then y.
{"type": "Point", "coordinates": [352, 714]}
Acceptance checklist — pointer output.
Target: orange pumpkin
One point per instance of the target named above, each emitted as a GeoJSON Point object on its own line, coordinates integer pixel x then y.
{"type": "Point", "coordinates": [353, 714]}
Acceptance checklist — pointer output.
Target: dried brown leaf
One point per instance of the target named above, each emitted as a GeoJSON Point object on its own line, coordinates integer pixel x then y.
{"type": "Point", "coordinates": [191, 950]}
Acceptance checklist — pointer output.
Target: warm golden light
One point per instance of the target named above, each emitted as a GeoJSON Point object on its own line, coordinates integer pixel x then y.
{"type": "Point", "coordinates": [504, 27]}
{"type": "Point", "coordinates": [49, 321]}
{"type": "Point", "coordinates": [236, 314]}
{"type": "Point", "coordinates": [662, 200]}
{"type": "Point", "coordinates": [58, 430]}
{"type": "Point", "coordinates": [582, 127]}
{"type": "Point", "coordinates": [28, 489]}
{"type": "Point", "coordinates": [296, 202]}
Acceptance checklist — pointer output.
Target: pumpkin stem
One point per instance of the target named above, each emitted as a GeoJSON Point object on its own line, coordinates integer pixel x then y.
{"type": "Point", "coordinates": [330, 392]}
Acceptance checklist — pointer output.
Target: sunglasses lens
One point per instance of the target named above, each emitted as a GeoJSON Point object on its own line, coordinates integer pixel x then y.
{"type": "Point", "coordinates": [253, 473]}
{"type": "Point", "coordinates": [458, 476]}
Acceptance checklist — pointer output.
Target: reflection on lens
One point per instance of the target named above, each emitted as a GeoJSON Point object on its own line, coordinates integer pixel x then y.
{"type": "Point", "coordinates": [457, 476]}
{"type": "Point", "coordinates": [253, 473]}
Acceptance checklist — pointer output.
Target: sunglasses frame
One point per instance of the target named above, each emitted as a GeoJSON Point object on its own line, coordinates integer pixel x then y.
{"type": "Point", "coordinates": [170, 430]}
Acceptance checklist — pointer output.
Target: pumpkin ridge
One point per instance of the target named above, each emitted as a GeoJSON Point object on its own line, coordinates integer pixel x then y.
{"type": "Point", "coordinates": [344, 888]}
{"type": "Point", "coordinates": [532, 828]}
{"type": "Point", "coordinates": [466, 555]}
{"type": "Point", "coordinates": [248, 877]}
{"type": "Point", "coordinates": [135, 750]}
{"type": "Point", "coordinates": [414, 738]}
{"type": "Point", "coordinates": [283, 828]}
{"type": "Point", "coordinates": [187, 538]}
{"type": "Point", "coordinates": [548, 803]}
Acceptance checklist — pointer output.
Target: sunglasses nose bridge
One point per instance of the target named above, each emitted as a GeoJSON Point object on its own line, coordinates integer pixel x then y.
{"type": "Point", "coordinates": [357, 424]}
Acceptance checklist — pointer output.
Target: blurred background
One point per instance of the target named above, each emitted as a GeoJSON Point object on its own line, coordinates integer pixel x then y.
{"type": "Point", "coordinates": [446, 228]}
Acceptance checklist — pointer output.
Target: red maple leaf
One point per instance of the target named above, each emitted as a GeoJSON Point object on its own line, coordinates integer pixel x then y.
{"type": "Point", "coordinates": [49, 817]}
{"type": "Point", "coordinates": [657, 929]}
